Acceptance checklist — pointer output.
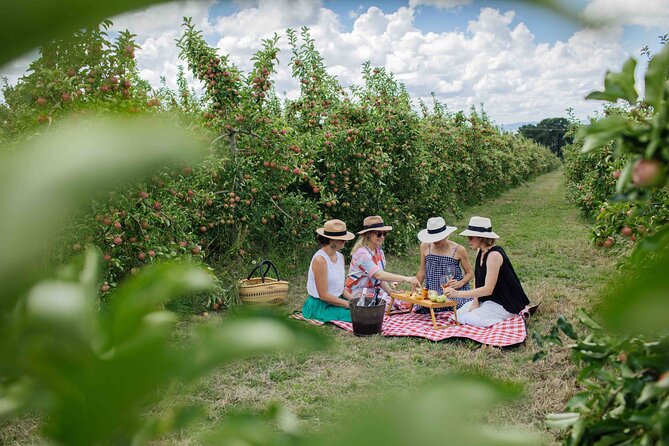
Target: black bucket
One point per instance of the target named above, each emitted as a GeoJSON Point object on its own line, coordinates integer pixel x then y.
{"type": "Point", "coordinates": [366, 320]}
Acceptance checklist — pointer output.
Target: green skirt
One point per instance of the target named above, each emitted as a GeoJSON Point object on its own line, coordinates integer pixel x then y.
{"type": "Point", "coordinates": [314, 308]}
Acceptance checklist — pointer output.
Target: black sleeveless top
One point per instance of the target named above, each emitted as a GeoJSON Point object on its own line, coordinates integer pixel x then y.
{"type": "Point", "coordinates": [508, 291]}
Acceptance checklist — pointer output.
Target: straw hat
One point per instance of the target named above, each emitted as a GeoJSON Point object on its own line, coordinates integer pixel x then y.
{"type": "Point", "coordinates": [335, 230]}
{"type": "Point", "coordinates": [374, 223]}
{"type": "Point", "coordinates": [436, 230]}
{"type": "Point", "coordinates": [479, 227]}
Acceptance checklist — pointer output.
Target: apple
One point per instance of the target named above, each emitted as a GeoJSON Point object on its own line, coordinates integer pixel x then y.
{"type": "Point", "coordinates": [648, 173]}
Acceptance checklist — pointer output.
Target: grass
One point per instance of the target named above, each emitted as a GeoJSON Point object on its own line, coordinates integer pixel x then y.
{"type": "Point", "coordinates": [548, 244]}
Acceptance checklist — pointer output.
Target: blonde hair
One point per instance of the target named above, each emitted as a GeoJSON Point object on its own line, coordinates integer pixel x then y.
{"type": "Point", "coordinates": [363, 240]}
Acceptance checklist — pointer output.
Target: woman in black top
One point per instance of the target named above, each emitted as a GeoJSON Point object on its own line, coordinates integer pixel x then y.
{"type": "Point", "coordinates": [498, 294]}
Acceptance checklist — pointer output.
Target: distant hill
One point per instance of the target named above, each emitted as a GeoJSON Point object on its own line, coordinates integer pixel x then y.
{"type": "Point", "coordinates": [514, 126]}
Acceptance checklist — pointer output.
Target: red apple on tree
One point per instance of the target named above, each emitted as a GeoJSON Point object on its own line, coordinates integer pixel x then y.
{"type": "Point", "coordinates": [648, 173]}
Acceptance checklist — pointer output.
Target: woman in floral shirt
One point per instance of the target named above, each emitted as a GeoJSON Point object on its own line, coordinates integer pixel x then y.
{"type": "Point", "coordinates": [368, 263]}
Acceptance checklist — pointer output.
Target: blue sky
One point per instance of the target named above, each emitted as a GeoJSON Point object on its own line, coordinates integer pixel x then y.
{"type": "Point", "coordinates": [521, 62]}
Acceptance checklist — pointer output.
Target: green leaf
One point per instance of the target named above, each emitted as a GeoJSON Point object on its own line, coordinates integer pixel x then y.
{"type": "Point", "coordinates": [566, 328]}
{"type": "Point", "coordinates": [656, 78]}
{"type": "Point", "coordinates": [240, 338]}
{"type": "Point", "coordinates": [587, 320]}
{"type": "Point", "coordinates": [618, 85]}
{"type": "Point", "coordinates": [625, 177]}
{"type": "Point", "coordinates": [51, 178]}
{"type": "Point", "coordinates": [146, 292]}
{"type": "Point", "coordinates": [562, 420]}
{"type": "Point", "coordinates": [640, 303]}
{"type": "Point", "coordinates": [579, 401]}
{"type": "Point", "coordinates": [26, 24]}
{"type": "Point", "coordinates": [650, 391]}
{"type": "Point", "coordinates": [602, 132]}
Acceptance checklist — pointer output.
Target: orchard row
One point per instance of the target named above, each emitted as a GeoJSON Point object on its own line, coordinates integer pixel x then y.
{"type": "Point", "coordinates": [276, 168]}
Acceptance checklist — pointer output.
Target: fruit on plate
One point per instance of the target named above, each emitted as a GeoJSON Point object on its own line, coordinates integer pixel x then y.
{"type": "Point", "coordinates": [441, 298]}
{"type": "Point", "coordinates": [432, 295]}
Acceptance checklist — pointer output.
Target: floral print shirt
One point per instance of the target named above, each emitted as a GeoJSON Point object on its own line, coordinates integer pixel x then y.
{"type": "Point", "coordinates": [364, 264]}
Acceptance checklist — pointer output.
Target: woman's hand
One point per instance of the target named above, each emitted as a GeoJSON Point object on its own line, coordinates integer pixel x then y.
{"type": "Point", "coordinates": [412, 280]}
{"type": "Point", "coordinates": [448, 291]}
{"type": "Point", "coordinates": [455, 284]}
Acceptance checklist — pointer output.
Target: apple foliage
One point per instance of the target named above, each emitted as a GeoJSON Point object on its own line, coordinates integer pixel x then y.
{"type": "Point", "coordinates": [624, 360]}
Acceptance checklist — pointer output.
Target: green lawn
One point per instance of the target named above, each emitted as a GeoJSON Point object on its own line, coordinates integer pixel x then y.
{"type": "Point", "coordinates": [548, 244]}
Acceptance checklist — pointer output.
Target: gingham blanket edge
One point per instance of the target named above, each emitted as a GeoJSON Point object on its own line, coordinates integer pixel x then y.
{"type": "Point", "coordinates": [509, 332]}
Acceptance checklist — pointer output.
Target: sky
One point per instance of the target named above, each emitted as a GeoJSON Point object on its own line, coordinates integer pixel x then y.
{"type": "Point", "coordinates": [519, 62]}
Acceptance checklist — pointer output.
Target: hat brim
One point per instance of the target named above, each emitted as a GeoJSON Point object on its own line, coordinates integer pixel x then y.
{"type": "Point", "coordinates": [346, 237]}
{"type": "Point", "coordinates": [469, 233]}
{"type": "Point", "coordinates": [426, 237]}
{"type": "Point", "coordinates": [382, 228]}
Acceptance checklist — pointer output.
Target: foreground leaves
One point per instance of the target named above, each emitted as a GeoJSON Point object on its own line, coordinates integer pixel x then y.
{"type": "Point", "coordinates": [50, 178]}
{"type": "Point", "coordinates": [95, 373]}
{"type": "Point", "coordinates": [443, 412]}
{"type": "Point", "coordinates": [27, 24]}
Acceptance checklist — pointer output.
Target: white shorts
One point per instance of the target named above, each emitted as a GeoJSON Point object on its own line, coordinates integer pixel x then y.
{"type": "Point", "coordinates": [487, 314]}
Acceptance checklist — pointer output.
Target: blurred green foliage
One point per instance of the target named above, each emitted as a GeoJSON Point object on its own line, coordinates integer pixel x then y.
{"type": "Point", "coordinates": [96, 372]}
{"type": "Point", "coordinates": [625, 360]}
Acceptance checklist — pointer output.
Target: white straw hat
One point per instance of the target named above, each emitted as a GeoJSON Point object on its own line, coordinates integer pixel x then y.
{"type": "Point", "coordinates": [479, 227]}
{"type": "Point", "coordinates": [436, 230]}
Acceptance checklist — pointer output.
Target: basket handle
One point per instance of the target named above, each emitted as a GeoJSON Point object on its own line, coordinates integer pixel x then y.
{"type": "Point", "coordinates": [269, 265]}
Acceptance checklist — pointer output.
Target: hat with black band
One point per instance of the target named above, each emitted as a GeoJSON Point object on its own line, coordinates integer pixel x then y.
{"type": "Point", "coordinates": [374, 223]}
{"type": "Point", "coordinates": [436, 230]}
{"type": "Point", "coordinates": [335, 230]}
{"type": "Point", "coordinates": [479, 227]}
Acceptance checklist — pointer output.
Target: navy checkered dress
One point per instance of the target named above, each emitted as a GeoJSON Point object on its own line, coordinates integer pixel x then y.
{"type": "Point", "coordinates": [435, 267]}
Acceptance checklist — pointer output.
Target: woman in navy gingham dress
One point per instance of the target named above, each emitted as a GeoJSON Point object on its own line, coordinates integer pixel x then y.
{"type": "Point", "coordinates": [437, 255]}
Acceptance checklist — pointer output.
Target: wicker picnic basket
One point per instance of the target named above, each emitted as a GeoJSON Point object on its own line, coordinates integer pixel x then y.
{"type": "Point", "coordinates": [263, 290]}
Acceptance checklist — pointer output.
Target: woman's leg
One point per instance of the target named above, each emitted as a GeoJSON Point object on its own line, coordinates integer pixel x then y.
{"type": "Point", "coordinates": [317, 309]}
{"type": "Point", "coordinates": [487, 314]}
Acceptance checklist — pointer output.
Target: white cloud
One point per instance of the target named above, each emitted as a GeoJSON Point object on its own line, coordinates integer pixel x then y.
{"type": "Point", "coordinates": [495, 61]}
{"type": "Point", "coordinates": [159, 19]}
{"type": "Point", "coordinates": [442, 4]}
{"type": "Point", "coordinates": [647, 13]}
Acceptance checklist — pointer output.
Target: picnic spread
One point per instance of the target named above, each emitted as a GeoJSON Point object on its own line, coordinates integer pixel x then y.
{"type": "Point", "coordinates": [417, 299]}
{"type": "Point", "coordinates": [506, 333]}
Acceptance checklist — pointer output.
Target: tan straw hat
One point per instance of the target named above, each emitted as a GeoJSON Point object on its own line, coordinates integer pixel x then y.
{"type": "Point", "coordinates": [374, 223]}
{"type": "Point", "coordinates": [335, 230]}
{"type": "Point", "coordinates": [479, 227]}
{"type": "Point", "coordinates": [436, 230]}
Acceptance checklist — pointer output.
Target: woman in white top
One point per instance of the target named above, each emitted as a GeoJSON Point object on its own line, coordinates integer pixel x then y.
{"type": "Point", "coordinates": [328, 300]}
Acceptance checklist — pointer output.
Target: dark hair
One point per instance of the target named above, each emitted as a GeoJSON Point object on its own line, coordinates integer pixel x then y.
{"type": "Point", "coordinates": [322, 240]}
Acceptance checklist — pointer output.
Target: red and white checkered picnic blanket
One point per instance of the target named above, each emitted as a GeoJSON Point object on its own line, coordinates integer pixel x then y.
{"type": "Point", "coordinates": [502, 334]}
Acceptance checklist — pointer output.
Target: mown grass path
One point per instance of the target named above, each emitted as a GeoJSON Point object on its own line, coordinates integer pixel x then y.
{"type": "Point", "coordinates": [548, 244]}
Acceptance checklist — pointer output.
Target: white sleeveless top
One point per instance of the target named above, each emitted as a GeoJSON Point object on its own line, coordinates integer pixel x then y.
{"type": "Point", "coordinates": [336, 275]}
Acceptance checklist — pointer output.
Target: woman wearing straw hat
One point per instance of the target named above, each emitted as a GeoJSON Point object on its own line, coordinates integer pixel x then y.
{"type": "Point", "coordinates": [368, 262]}
{"type": "Point", "coordinates": [441, 258]}
{"type": "Point", "coordinates": [328, 300]}
{"type": "Point", "coordinates": [498, 294]}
